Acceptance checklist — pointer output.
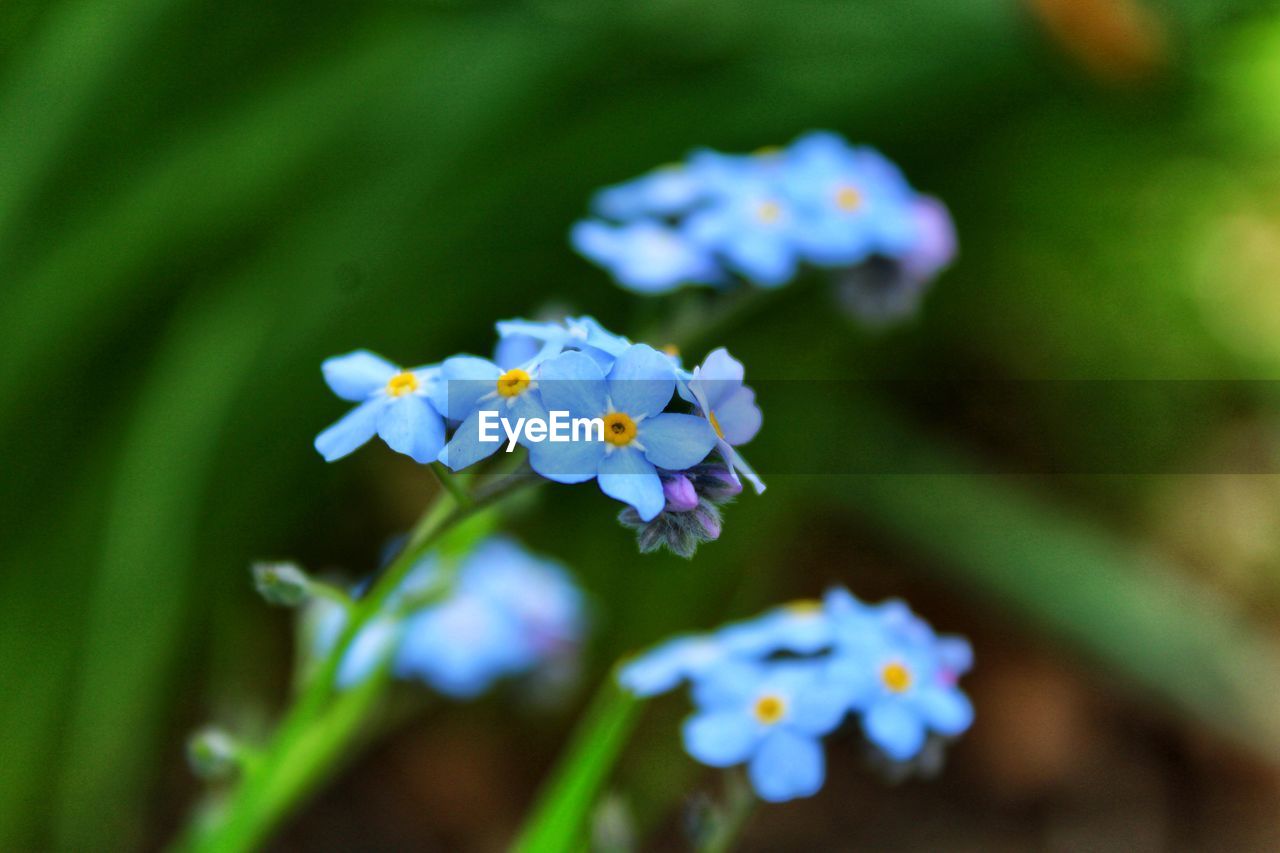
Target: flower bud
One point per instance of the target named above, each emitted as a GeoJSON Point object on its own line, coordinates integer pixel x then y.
{"type": "Point", "coordinates": [715, 482]}
{"type": "Point", "coordinates": [281, 583]}
{"type": "Point", "coordinates": [213, 754]}
{"type": "Point", "coordinates": [680, 493]}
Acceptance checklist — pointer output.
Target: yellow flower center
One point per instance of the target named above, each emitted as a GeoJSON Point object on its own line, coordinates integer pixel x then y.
{"type": "Point", "coordinates": [671, 350]}
{"type": "Point", "coordinates": [896, 677]}
{"type": "Point", "coordinates": [768, 151]}
{"type": "Point", "coordinates": [770, 709]}
{"type": "Point", "coordinates": [619, 429]}
{"type": "Point", "coordinates": [715, 424]}
{"type": "Point", "coordinates": [848, 199]}
{"type": "Point", "coordinates": [804, 607]}
{"type": "Point", "coordinates": [401, 384]}
{"type": "Point", "coordinates": [769, 211]}
{"type": "Point", "coordinates": [513, 382]}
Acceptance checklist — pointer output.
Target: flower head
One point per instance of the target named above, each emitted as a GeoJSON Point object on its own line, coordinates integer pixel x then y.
{"type": "Point", "coordinates": [901, 678]}
{"type": "Point", "coordinates": [504, 612]}
{"type": "Point", "coordinates": [645, 256]}
{"type": "Point", "coordinates": [716, 388]}
{"type": "Point", "coordinates": [764, 217]}
{"type": "Point", "coordinates": [401, 406]}
{"type": "Point", "coordinates": [770, 716]}
{"type": "Point", "coordinates": [639, 437]}
{"type": "Point", "coordinates": [767, 689]}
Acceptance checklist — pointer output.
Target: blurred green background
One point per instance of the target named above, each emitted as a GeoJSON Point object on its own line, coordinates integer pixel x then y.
{"type": "Point", "coordinates": [200, 201]}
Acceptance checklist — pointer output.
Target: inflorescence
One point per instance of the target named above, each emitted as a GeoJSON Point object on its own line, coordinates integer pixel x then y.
{"type": "Point", "coordinates": [460, 624]}
{"type": "Point", "coordinates": [767, 690]}
{"type": "Point", "coordinates": [761, 218]}
{"type": "Point", "coordinates": [658, 423]}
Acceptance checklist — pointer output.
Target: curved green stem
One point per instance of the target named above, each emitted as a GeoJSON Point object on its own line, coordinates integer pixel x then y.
{"type": "Point", "coordinates": [557, 820]}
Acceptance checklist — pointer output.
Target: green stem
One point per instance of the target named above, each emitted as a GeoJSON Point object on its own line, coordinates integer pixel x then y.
{"type": "Point", "coordinates": [556, 823]}
{"type": "Point", "coordinates": [739, 804]}
{"type": "Point", "coordinates": [322, 722]}
{"type": "Point", "coordinates": [449, 482]}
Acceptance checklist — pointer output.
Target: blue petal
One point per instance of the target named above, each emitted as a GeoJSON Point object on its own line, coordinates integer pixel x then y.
{"type": "Point", "coordinates": [767, 262]}
{"type": "Point", "coordinates": [739, 416]}
{"type": "Point", "coordinates": [947, 712]}
{"type": "Point", "coordinates": [627, 476]}
{"type": "Point", "coordinates": [369, 650]}
{"type": "Point", "coordinates": [572, 382]}
{"type": "Point", "coordinates": [467, 379]}
{"type": "Point", "coordinates": [719, 375]}
{"type": "Point", "coordinates": [515, 350]}
{"type": "Point", "coordinates": [567, 461]}
{"type": "Point", "coordinates": [642, 381]}
{"type": "Point", "coordinates": [594, 240]}
{"type": "Point", "coordinates": [729, 684]}
{"type": "Point", "coordinates": [358, 374]}
{"type": "Point", "coordinates": [738, 465]}
{"type": "Point", "coordinates": [466, 448]}
{"type": "Point", "coordinates": [676, 442]}
{"type": "Point", "coordinates": [818, 707]}
{"type": "Point", "coordinates": [720, 738]}
{"type": "Point", "coordinates": [662, 668]}
{"type": "Point", "coordinates": [786, 766]}
{"type": "Point", "coordinates": [894, 728]}
{"type": "Point", "coordinates": [855, 676]}
{"type": "Point", "coordinates": [461, 646]}
{"type": "Point", "coordinates": [355, 428]}
{"type": "Point", "coordinates": [410, 425]}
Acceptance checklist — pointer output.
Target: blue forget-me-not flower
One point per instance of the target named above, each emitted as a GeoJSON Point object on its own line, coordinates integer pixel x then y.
{"type": "Point", "coordinates": [505, 612]}
{"type": "Point", "coordinates": [639, 436]}
{"type": "Point", "coordinates": [403, 407]}
{"type": "Point", "coordinates": [644, 445]}
{"type": "Point", "coordinates": [762, 218]}
{"type": "Point", "coordinates": [767, 690]}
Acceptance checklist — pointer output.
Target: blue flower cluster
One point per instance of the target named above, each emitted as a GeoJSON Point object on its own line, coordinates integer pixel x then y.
{"type": "Point", "coordinates": [640, 452]}
{"type": "Point", "coordinates": [820, 201]}
{"type": "Point", "coordinates": [506, 613]}
{"type": "Point", "coordinates": [768, 689]}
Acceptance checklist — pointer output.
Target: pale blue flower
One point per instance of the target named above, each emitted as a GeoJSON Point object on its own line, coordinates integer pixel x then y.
{"type": "Point", "coordinates": [900, 677]}
{"type": "Point", "coordinates": [403, 407]}
{"type": "Point", "coordinates": [509, 613]}
{"type": "Point", "coordinates": [770, 716]}
{"type": "Point", "coordinates": [754, 226]}
{"type": "Point", "coordinates": [639, 437]}
{"type": "Point", "coordinates": [855, 202]}
{"type": "Point", "coordinates": [666, 191]}
{"type": "Point", "coordinates": [504, 612]}
{"type": "Point", "coordinates": [476, 386]}
{"type": "Point", "coordinates": [583, 334]}
{"type": "Point", "coordinates": [716, 388]}
{"type": "Point", "coordinates": [670, 664]}
{"type": "Point", "coordinates": [645, 256]}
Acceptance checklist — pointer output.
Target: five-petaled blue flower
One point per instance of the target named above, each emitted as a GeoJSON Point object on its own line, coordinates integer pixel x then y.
{"type": "Point", "coordinates": [716, 388]}
{"type": "Point", "coordinates": [401, 406]}
{"type": "Point", "coordinates": [770, 715]}
{"type": "Point", "coordinates": [506, 613]}
{"type": "Point", "coordinates": [820, 202]}
{"type": "Point", "coordinates": [766, 689]}
{"type": "Point", "coordinates": [639, 437]}
{"type": "Point", "coordinates": [900, 676]}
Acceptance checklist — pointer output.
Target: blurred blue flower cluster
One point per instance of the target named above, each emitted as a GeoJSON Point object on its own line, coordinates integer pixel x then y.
{"type": "Point", "coordinates": [647, 455]}
{"type": "Point", "coordinates": [459, 625]}
{"type": "Point", "coordinates": [767, 690]}
{"type": "Point", "coordinates": [763, 216]}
